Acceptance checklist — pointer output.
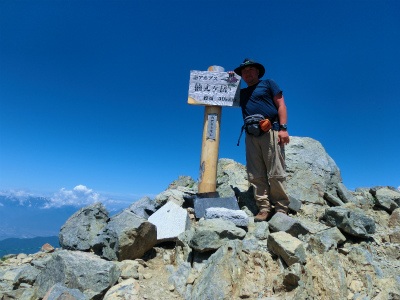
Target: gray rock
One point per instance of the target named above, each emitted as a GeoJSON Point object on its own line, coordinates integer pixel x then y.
{"type": "Point", "coordinates": [213, 233]}
{"type": "Point", "coordinates": [221, 273]}
{"type": "Point", "coordinates": [247, 203]}
{"type": "Point", "coordinates": [390, 287]}
{"type": "Point", "coordinates": [129, 269]}
{"type": "Point", "coordinates": [28, 293]}
{"type": "Point", "coordinates": [250, 244]}
{"type": "Point", "coordinates": [310, 170]}
{"type": "Point", "coordinates": [332, 199]}
{"type": "Point", "coordinates": [395, 218]}
{"type": "Point", "coordinates": [365, 192]}
{"type": "Point", "coordinates": [183, 181]}
{"type": "Point", "coordinates": [292, 275]}
{"type": "Point", "coordinates": [288, 247]}
{"type": "Point", "coordinates": [82, 227]}
{"type": "Point", "coordinates": [12, 294]}
{"type": "Point", "coordinates": [178, 195]}
{"type": "Point", "coordinates": [334, 233]}
{"type": "Point", "coordinates": [59, 292]}
{"type": "Point", "coordinates": [360, 256]}
{"type": "Point", "coordinates": [200, 260]}
{"type": "Point", "coordinates": [321, 244]}
{"type": "Point", "coordinates": [231, 178]}
{"type": "Point", "coordinates": [326, 240]}
{"type": "Point", "coordinates": [232, 181]}
{"type": "Point", "coordinates": [26, 274]}
{"type": "Point", "coordinates": [171, 220]}
{"type": "Point", "coordinates": [184, 252]}
{"type": "Point", "coordinates": [344, 194]}
{"type": "Point", "coordinates": [10, 276]}
{"type": "Point", "coordinates": [351, 222]}
{"type": "Point", "coordinates": [78, 270]}
{"type": "Point", "coordinates": [324, 277]}
{"type": "Point", "coordinates": [128, 289]}
{"type": "Point", "coordinates": [386, 197]}
{"type": "Point", "coordinates": [144, 207]}
{"type": "Point", "coordinates": [394, 235]}
{"type": "Point", "coordinates": [294, 204]}
{"type": "Point", "coordinates": [185, 237]}
{"type": "Point", "coordinates": [126, 236]}
{"type": "Point", "coordinates": [179, 278]}
{"type": "Point", "coordinates": [282, 222]}
{"type": "Point", "coordinates": [237, 217]}
{"type": "Point", "coordinates": [261, 230]}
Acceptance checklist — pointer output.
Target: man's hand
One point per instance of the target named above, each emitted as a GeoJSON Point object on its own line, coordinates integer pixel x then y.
{"type": "Point", "coordinates": [283, 138]}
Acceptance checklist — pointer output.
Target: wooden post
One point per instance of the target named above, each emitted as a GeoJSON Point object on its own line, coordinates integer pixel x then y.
{"type": "Point", "coordinates": [210, 146]}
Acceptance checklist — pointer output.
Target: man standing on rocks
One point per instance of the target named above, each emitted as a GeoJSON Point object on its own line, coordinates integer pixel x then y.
{"type": "Point", "coordinates": [264, 147]}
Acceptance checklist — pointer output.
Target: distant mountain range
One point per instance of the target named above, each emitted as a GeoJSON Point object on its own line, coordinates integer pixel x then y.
{"type": "Point", "coordinates": [27, 246]}
{"type": "Point", "coordinates": [27, 218]}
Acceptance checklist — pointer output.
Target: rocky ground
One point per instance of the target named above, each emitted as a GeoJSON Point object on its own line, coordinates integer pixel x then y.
{"type": "Point", "coordinates": [334, 244]}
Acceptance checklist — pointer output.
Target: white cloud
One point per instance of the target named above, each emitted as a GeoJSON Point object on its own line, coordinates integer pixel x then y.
{"type": "Point", "coordinates": [78, 196]}
{"type": "Point", "coordinates": [20, 196]}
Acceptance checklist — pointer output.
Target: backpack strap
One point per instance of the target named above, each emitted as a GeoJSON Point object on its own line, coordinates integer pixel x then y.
{"type": "Point", "coordinates": [241, 132]}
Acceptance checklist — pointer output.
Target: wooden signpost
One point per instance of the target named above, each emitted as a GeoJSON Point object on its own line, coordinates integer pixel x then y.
{"type": "Point", "coordinates": [213, 88]}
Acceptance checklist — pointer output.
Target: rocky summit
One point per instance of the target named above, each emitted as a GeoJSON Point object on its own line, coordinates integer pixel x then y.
{"type": "Point", "coordinates": [333, 244]}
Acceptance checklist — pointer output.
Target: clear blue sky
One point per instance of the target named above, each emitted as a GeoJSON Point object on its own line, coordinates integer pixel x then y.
{"type": "Point", "coordinates": [94, 93]}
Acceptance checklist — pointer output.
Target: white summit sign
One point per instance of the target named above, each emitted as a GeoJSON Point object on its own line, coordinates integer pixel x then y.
{"type": "Point", "coordinates": [214, 88]}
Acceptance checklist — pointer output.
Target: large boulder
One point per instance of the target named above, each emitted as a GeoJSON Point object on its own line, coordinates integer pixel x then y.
{"type": "Point", "coordinates": [84, 271]}
{"type": "Point", "coordinates": [232, 180]}
{"type": "Point", "coordinates": [351, 222]}
{"type": "Point", "coordinates": [211, 234]}
{"type": "Point", "coordinates": [235, 273]}
{"type": "Point", "coordinates": [386, 197]}
{"type": "Point", "coordinates": [323, 277]}
{"type": "Point", "coordinates": [223, 274]}
{"type": "Point", "coordinates": [310, 171]}
{"type": "Point", "coordinates": [126, 236]}
{"type": "Point", "coordinates": [83, 226]}
{"type": "Point", "coordinates": [144, 207]}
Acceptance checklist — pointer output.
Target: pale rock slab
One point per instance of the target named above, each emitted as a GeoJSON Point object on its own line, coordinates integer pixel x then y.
{"type": "Point", "coordinates": [171, 220]}
{"type": "Point", "coordinates": [237, 217]}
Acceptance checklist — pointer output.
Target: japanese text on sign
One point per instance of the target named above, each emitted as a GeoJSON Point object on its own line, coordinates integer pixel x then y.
{"type": "Point", "coordinates": [214, 88]}
{"type": "Point", "coordinates": [211, 126]}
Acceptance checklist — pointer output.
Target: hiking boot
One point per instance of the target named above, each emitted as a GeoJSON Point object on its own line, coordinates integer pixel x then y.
{"type": "Point", "coordinates": [262, 216]}
{"type": "Point", "coordinates": [283, 211]}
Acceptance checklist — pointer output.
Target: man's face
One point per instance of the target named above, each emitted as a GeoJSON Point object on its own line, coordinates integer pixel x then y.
{"type": "Point", "coordinates": [250, 75]}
